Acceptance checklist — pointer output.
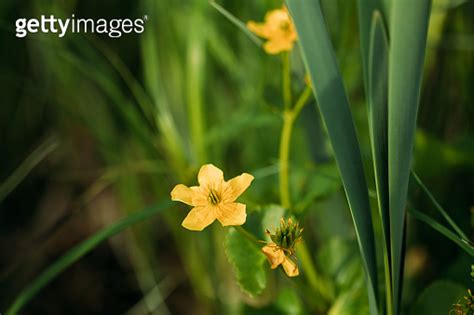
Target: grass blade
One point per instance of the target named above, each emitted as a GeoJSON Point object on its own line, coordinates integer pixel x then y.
{"type": "Point", "coordinates": [463, 243]}
{"type": "Point", "coordinates": [319, 58]}
{"type": "Point", "coordinates": [79, 251]}
{"type": "Point", "coordinates": [438, 207]}
{"type": "Point", "coordinates": [195, 81]}
{"type": "Point", "coordinates": [408, 43]}
{"type": "Point", "coordinates": [377, 117]}
{"type": "Point", "coordinates": [377, 112]}
{"type": "Point", "coordinates": [241, 25]}
{"type": "Point", "coordinates": [38, 155]}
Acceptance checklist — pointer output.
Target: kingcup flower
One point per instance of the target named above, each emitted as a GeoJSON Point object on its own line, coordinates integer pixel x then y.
{"type": "Point", "coordinates": [213, 199]}
{"type": "Point", "coordinates": [277, 29]}
{"type": "Point", "coordinates": [281, 251]}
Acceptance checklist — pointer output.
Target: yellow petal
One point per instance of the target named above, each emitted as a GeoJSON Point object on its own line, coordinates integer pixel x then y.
{"type": "Point", "coordinates": [210, 177]}
{"type": "Point", "coordinates": [198, 218]}
{"type": "Point", "coordinates": [231, 213]}
{"type": "Point", "coordinates": [274, 255]}
{"type": "Point", "coordinates": [275, 18]}
{"type": "Point", "coordinates": [290, 267]}
{"type": "Point", "coordinates": [274, 47]}
{"type": "Point", "coordinates": [184, 194]}
{"type": "Point", "coordinates": [236, 186]}
{"type": "Point", "coordinates": [258, 29]}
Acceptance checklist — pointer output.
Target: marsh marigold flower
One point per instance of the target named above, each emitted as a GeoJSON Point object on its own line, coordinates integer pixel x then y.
{"type": "Point", "coordinates": [213, 199]}
{"type": "Point", "coordinates": [278, 30]}
{"type": "Point", "coordinates": [281, 251]}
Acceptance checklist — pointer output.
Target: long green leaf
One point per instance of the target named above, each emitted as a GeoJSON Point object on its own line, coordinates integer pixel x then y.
{"type": "Point", "coordinates": [409, 26]}
{"type": "Point", "coordinates": [320, 60]}
{"type": "Point", "coordinates": [366, 9]}
{"type": "Point", "coordinates": [377, 116]}
{"type": "Point", "coordinates": [38, 155]}
{"type": "Point", "coordinates": [79, 251]}
{"type": "Point", "coordinates": [377, 111]}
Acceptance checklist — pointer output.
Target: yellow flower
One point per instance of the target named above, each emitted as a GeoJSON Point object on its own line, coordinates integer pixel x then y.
{"type": "Point", "coordinates": [277, 29]}
{"type": "Point", "coordinates": [213, 199]}
{"type": "Point", "coordinates": [276, 255]}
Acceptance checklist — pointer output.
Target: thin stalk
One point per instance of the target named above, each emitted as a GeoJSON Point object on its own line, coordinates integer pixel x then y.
{"type": "Point", "coordinates": [289, 118]}
{"type": "Point", "coordinates": [302, 100]}
{"type": "Point", "coordinates": [468, 248]}
{"type": "Point", "coordinates": [286, 79]}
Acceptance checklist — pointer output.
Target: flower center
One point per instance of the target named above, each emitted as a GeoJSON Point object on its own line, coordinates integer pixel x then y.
{"type": "Point", "coordinates": [213, 197]}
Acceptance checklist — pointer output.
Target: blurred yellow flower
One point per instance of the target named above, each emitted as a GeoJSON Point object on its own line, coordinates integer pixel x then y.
{"type": "Point", "coordinates": [278, 29]}
{"type": "Point", "coordinates": [276, 255]}
{"type": "Point", "coordinates": [213, 199]}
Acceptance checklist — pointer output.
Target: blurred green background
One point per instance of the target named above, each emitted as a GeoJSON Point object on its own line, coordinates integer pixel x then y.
{"type": "Point", "coordinates": [94, 128]}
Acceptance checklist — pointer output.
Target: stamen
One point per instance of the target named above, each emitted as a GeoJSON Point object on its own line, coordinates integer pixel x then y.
{"type": "Point", "coordinates": [213, 197]}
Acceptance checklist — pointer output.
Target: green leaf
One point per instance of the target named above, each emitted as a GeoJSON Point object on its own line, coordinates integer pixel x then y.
{"type": "Point", "coordinates": [366, 10]}
{"type": "Point", "coordinates": [438, 298]}
{"type": "Point", "coordinates": [378, 128]}
{"type": "Point", "coordinates": [79, 251]}
{"type": "Point", "coordinates": [407, 50]}
{"type": "Point", "coordinates": [320, 61]}
{"type": "Point", "coordinates": [248, 262]}
{"type": "Point", "coordinates": [377, 113]}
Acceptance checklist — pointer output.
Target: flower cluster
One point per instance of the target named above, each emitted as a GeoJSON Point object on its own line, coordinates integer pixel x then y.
{"type": "Point", "coordinates": [281, 251]}
{"type": "Point", "coordinates": [465, 306]}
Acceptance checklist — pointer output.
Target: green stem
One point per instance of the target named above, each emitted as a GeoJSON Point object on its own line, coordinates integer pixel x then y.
{"type": "Point", "coordinates": [289, 118]}
{"type": "Point", "coordinates": [285, 141]}
{"type": "Point", "coordinates": [302, 100]}
{"type": "Point", "coordinates": [286, 73]}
